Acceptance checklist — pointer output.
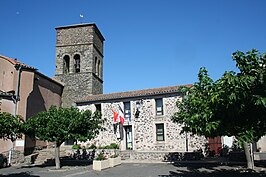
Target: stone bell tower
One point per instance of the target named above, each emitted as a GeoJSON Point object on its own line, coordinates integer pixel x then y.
{"type": "Point", "coordinates": [79, 61]}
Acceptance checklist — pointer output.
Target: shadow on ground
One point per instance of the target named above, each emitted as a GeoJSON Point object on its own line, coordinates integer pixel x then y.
{"type": "Point", "coordinates": [216, 173]}
{"type": "Point", "coordinates": [207, 166]}
{"type": "Point", "coordinates": [63, 161]}
{"type": "Point", "coordinates": [22, 174]}
{"type": "Point", "coordinates": [212, 170]}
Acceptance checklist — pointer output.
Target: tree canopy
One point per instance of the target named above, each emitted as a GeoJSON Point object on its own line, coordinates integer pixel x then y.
{"type": "Point", "coordinates": [235, 104]}
{"type": "Point", "coordinates": [60, 124]}
{"type": "Point", "coordinates": [11, 127]}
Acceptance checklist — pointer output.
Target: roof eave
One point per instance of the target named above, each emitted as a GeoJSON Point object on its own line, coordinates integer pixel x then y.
{"type": "Point", "coordinates": [136, 97]}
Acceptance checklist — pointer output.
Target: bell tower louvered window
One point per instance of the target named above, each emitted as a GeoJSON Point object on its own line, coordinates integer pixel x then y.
{"type": "Point", "coordinates": [77, 63]}
{"type": "Point", "coordinates": [66, 60]}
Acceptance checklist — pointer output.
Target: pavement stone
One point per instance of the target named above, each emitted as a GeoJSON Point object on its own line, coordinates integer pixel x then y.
{"type": "Point", "coordinates": [135, 170]}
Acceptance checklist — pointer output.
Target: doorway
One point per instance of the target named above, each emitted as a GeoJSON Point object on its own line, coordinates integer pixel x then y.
{"type": "Point", "coordinates": [129, 144]}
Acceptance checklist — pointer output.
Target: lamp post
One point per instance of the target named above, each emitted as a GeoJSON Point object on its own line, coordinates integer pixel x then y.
{"type": "Point", "coordinates": [16, 96]}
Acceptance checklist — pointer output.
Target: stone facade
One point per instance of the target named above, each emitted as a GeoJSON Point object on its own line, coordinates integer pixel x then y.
{"type": "Point", "coordinates": [85, 43]}
{"type": "Point", "coordinates": [143, 128]}
{"type": "Point", "coordinates": [78, 84]}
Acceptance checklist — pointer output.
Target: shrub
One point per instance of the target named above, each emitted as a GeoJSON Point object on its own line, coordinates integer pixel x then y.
{"type": "Point", "coordinates": [114, 146]}
{"type": "Point", "coordinates": [111, 146]}
{"type": "Point", "coordinates": [93, 146]}
{"type": "Point", "coordinates": [100, 156]}
{"type": "Point", "coordinates": [102, 147]}
{"type": "Point", "coordinates": [75, 146]}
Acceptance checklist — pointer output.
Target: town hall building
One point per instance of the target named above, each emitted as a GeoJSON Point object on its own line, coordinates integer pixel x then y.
{"type": "Point", "coordinates": [147, 126]}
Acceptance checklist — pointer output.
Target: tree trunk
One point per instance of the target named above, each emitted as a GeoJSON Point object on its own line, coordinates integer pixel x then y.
{"type": "Point", "coordinates": [57, 156]}
{"type": "Point", "coordinates": [250, 161]}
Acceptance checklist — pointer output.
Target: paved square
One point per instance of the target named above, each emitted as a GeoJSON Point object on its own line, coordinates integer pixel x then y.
{"type": "Point", "coordinates": [133, 170]}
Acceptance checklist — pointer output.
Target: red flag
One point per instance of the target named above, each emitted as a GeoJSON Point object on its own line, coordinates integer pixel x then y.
{"type": "Point", "coordinates": [115, 116]}
{"type": "Point", "coordinates": [119, 116]}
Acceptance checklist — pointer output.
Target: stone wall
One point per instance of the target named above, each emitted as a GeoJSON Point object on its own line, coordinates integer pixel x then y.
{"type": "Point", "coordinates": [86, 41]}
{"type": "Point", "coordinates": [86, 60]}
{"type": "Point", "coordinates": [261, 144]}
{"type": "Point", "coordinates": [145, 136]}
{"type": "Point", "coordinates": [163, 156]}
{"type": "Point", "coordinates": [77, 86]}
{"type": "Point", "coordinates": [79, 34]}
{"type": "Point", "coordinates": [144, 127]}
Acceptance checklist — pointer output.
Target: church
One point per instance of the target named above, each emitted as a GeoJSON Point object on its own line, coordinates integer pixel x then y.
{"type": "Point", "coordinates": [24, 91]}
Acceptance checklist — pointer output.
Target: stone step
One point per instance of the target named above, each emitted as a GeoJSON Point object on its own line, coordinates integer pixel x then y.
{"type": "Point", "coordinates": [47, 155]}
{"type": "Point", "coordinates": [125, 155]}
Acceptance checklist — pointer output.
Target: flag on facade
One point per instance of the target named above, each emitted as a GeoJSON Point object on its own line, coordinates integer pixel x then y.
{"type": "Point", "coordinates": [121, 115]}
{"type": "Point", "coordinates": [115, 116]}
{"type": "Point", "coordinates": [118, 123]}
{"type": "Point", "coordinates": [117, 130]}
{"type": "Point", "coordinates": [121, 131]}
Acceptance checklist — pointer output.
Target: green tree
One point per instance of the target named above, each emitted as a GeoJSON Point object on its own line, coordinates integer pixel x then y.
{"type": "Point", "coordinates": [234, 105]}
{"type": "Point", "coordinates": [11, 127]}
{"type": "Point", "coordinates": [60, 124]}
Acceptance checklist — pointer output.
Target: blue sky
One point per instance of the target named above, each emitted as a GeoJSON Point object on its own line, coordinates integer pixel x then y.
{"type": "Point", "coordinates": [149, 43]}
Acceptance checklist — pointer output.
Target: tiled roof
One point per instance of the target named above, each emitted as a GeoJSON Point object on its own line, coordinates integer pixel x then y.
{"type": "Point", "coordinates": [16, 62]}
{"type": "Point", "coordinates": [132, 94]}
{"type": "Point", "coordinates": [24, 66]}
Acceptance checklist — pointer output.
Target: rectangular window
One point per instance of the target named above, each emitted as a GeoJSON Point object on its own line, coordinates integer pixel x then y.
{"type": "Point", "coordinates": [98, 107]}
{"type": "Point", "coordinates": [159, 106]}
{"type": "Point", "coordinates": [159, 132]}
{"type": "Point", "coordinates": [127, 111]}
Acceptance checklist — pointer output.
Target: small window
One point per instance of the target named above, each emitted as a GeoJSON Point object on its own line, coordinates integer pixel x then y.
{"type": "Point", "coordinates": [96, 67]}
{"type": "Point", "coordinates": [127, 111]}
{"type": "Point", "coordinates": [159, 132]}
{"type": "Point", "coordinates": [77, 63]}
{"type": "Point", "coordinates": [159, 106]}
{"type": "Point", "coordinates": [66, 64]}
{"type": "Point", "coordinates": [98, 107]}
{"type": "Point", "coordinates": [99, 68]}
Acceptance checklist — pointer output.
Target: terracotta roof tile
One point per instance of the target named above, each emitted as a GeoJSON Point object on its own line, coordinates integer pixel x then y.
{"type": "Point", "coordinates": [16, 62]}
{"type": "Point", "coordinates": [132, 94]}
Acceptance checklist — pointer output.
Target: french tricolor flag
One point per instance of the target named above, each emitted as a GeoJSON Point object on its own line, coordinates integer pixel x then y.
{"type": "Point", "coordinates": [119, 116]}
